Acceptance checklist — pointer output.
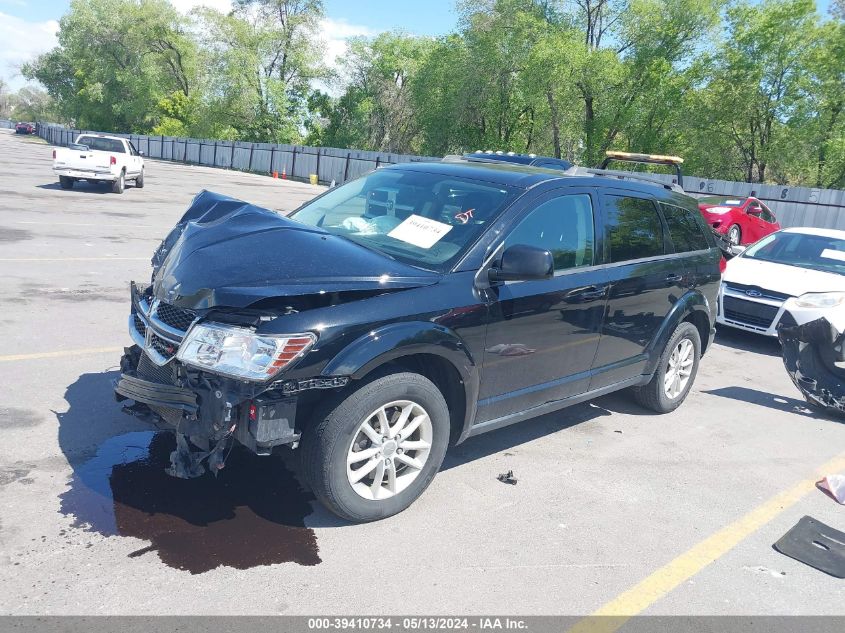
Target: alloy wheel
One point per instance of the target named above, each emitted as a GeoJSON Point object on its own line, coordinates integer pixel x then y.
{"type": "Point", "coordinates": [389, 449]}
{"type": "Point", "coordinates": [679, 369]}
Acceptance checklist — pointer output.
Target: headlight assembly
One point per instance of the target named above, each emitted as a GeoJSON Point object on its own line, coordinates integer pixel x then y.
{"type": "Point", "coordinates": [240, 352]}
{"type": "Point", "coordinates": [820, 300]}
{"type": "Point", "coordinates": [718, 210]}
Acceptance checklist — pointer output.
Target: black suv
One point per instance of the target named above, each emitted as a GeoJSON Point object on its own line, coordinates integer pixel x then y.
{"type": "Point", "coordinates": [411, 309]}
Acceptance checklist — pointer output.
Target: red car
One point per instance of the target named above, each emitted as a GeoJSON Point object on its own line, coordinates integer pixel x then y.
{"type": "Point", "coordinates": [741, 220]}
{"type": "Point", "coordinates": [24, 128]}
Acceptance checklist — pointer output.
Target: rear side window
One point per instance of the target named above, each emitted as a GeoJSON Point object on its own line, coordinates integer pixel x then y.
{"type": "Point", "coordinates": [564, 227]}
{"type": "Point", "coordinates": [102, 144]}
{"type": "Point", "coordinates": [684, 229]}
{"type": "Point", "coordinates": [633, 228]}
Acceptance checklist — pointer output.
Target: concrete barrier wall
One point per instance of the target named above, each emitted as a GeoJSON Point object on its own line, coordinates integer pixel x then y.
{"type": "Point", "coordinates": [793, 206]}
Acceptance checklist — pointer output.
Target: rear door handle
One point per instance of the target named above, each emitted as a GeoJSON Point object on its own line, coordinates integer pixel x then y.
{"type": "Point", "coordinates": [673, 279]}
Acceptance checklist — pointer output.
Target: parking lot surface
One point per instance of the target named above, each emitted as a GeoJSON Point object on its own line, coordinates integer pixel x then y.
{"type": "Point", "coordinates": [615, 510]}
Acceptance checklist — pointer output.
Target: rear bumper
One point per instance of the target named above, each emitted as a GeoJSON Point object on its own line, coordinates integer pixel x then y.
{"type": "Point", "coordinates": [86, 174]}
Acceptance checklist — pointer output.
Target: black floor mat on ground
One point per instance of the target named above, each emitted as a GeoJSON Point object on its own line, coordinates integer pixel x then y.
{"type": "Point", "coordinates": [816, 545]}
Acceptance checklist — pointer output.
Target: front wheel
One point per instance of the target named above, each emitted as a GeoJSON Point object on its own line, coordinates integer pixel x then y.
{"type": "Point", "coordinates": [735, 235]}
{"type": "Point", "coordinates": [378, 449]}
{"type": "Point", "coordinates": [119, 184]}
{"type": "Point", "coordinates": [675, 373]}
{"type": "Point", "coordinates": [66, 182]}
{"type": "Point", "coordinates": [139, 181]}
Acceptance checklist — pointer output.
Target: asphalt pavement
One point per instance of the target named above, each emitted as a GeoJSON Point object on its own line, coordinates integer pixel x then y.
{"type": "Point", "coordinates": [616, 510]}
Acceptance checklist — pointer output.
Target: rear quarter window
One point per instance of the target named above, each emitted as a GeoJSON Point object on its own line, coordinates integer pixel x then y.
{"type": "Point", "coordinates": [633, 228]}
{"type": "Point", "coordinates": [685, 229]}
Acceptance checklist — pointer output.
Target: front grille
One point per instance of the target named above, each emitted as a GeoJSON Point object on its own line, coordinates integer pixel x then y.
{"type": "Point", "coordinates": [751, 313]}
{"type": "Point", "coordinates": [764, 293]}
{"type": "Point", "coordinates": [148, 370]}
{"type": "Point", "coordinates": [140, 326]}
{"type": "Point", "coordinates": [165, 348]}
{"type": "Point", "coordinates": [177, 318]}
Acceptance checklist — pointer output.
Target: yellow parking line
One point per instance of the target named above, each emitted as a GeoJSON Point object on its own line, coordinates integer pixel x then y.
{"type": "Point", "coordinates": [74, 259]}
{"type": "Point", "coordinates": [614, 614]}
{"type": "Point", "coordinates": [59, 354]}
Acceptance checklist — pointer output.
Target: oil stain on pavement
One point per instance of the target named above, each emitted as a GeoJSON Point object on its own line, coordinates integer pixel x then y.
{"type": "Point", "coordinates": [252, 514]}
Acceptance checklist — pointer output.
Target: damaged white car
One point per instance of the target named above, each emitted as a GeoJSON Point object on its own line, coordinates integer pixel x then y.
{"type": "Point", "coordinates": [797, 270]}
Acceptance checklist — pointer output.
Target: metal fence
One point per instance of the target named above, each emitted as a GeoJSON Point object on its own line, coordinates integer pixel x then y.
{"type": "Point", "coordinates": [794, 206]}
{"type": "Point", "coordinates": [6, 124]}
{"type": "Point", "coordinates": [329, 164]}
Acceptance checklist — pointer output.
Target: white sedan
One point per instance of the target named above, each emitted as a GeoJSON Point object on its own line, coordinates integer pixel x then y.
{"type": "Point", "coordinates": [798, 271]}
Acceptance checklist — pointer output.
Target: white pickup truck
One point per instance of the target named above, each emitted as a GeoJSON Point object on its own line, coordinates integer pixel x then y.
{"type": "Point", "coordinates": [98, 158]}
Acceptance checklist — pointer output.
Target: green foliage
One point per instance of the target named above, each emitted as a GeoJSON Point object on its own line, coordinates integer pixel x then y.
{"type": "Point", "coordinates": [742, 89]}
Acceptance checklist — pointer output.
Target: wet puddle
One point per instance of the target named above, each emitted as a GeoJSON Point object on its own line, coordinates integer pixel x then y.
{"type": "Point", "coordinates": [252, 514]}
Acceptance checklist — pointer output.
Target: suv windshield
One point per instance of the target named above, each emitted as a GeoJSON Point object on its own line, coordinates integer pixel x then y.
{"type": "Point", "coordinates": [817, 252]}
{"type": "Point", "coordinates": [426, 220]}
{"type": "Point", "coordinates": [101, 144]}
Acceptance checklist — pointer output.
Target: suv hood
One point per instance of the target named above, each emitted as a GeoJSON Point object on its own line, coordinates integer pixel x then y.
{"type": "Point", "coordinates": [225, 252]}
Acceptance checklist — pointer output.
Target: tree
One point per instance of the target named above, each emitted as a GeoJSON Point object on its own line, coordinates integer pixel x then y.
{"type": "Point", "coordinates": [755, 83]}
{"type": "Point", "coordinates": [376, 110]}
{"type": "Point", "coordinates": [115, 60]}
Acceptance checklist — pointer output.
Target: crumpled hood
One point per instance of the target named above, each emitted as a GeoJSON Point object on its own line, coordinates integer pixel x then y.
{"type": "Point", "coordinates": [225, 252]}
{"type": "Point", "coordinates": [790, 280]}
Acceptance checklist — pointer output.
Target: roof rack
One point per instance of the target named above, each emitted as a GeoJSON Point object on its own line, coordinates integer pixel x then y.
{"type": "Point", "coordinates": [623, 175]}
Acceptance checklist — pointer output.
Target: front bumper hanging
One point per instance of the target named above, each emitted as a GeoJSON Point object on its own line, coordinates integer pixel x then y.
{"type": "Point", "coordinates": [810, 354]}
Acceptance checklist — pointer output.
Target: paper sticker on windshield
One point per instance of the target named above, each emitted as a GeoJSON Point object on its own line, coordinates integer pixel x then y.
{"type": "Point", "coordinates": [830, 253]}
{"type": "Point", "coordinates": [420, 231]}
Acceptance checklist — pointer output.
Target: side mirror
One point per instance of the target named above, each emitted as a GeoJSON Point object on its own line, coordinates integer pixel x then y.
{"type": "Point", "coordinates": [755, 211]}
{"type": "Point", "coordinates": [140, 153]}
{"type": "Point", "coordinates": [521, 262]}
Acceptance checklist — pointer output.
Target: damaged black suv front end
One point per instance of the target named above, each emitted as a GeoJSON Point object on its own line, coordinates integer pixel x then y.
{"type": "Point", "coordinates": [213, 358]}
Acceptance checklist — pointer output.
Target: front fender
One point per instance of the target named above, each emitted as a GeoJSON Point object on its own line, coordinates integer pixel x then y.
{"type": "Point", "coordinates": [396, 340]}
{"type": "Point", "coordinates": [691, 303]}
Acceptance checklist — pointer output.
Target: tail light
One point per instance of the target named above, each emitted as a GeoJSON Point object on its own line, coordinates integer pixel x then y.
{"type": "Point", "coordinates": [723, 263]}
{"type": "Point", "coordinates": [112, 160]}
{"type": "Point", "coordinates": [54, 153]}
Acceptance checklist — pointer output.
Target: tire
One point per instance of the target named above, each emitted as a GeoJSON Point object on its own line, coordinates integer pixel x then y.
{"type": "Point", "coordinates": [336, 435]}
{"type": "Point", "coordinates": [655, 395]}
{"type": "Point", "coordinates": [139, 181]}
{"type": "Point", "coordinates": [120, 184]}
{"type": "Point", "coordinates": [735, 235]}
{"type": "Point", "coordinates": [66, 182]}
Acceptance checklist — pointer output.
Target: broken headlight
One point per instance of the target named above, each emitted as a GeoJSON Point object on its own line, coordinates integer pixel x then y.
{"type": "Point", "coordinates": [240, 352]}
{"type": "Point", "coordinates": [820, 299]}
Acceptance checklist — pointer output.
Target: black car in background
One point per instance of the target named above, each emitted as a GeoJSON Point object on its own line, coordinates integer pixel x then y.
{"type": "Point", "coordinates": [411, 309]}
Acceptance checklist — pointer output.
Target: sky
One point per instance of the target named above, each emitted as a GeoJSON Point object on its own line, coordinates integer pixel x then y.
{"type": "Point", "coordinates": [28, 27]}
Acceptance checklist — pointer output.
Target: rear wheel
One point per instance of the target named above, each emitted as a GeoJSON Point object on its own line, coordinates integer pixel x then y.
{"type": "Point", "coordinates": [119, 184]}
{"type": "Point", "coordinates": [735, 235]}
{"type": "Point", "coordinates": [373, 453]}
{"type": "Point", "coordinates": [675, 373]}
{"type": "Point", "coordinates": [66, 182]}
{"type": "Point", "coordinates": [139, 181]}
